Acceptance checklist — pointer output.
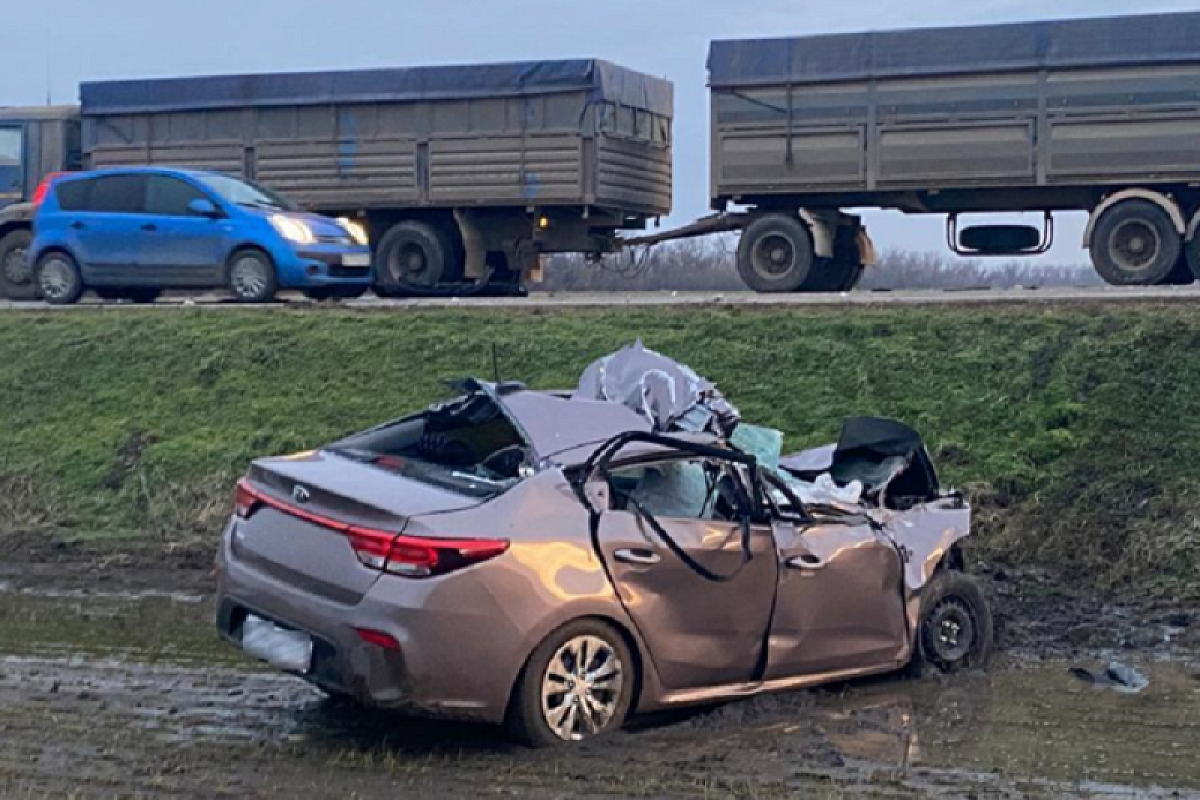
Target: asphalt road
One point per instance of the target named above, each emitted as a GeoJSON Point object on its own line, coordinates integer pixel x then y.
{"type": "Point", "coordinates": [980, 296]}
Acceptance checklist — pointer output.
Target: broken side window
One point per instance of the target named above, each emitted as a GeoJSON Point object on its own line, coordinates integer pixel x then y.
{"type": "Point", "coordinates": [699, 489]}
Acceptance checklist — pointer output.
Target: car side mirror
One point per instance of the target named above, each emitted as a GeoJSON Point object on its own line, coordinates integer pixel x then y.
{"type": "Point", "coordinates": [203, 208]}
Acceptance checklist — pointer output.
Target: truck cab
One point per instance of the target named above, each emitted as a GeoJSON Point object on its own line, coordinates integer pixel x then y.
{"type": "Point", "coordinates": [34, 143]}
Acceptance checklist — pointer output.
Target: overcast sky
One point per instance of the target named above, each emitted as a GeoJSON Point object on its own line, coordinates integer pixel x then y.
{"type": "Point", "coordinates": [51, 45]}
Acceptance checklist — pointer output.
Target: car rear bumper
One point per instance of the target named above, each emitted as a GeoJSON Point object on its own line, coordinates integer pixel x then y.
{"type": "Point", "coordinates": [442, 669]}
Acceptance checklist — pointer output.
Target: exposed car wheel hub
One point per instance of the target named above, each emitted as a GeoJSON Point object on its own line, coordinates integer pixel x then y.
{"type": "Point", "coordinates": [581, 688]}
{"type": "Point", "coordinates": [953, 631]}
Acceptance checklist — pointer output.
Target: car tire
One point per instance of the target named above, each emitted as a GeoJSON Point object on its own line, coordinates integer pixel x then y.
{"type": "Point", "coordinates": [414, 256]}
{"type": "Point", "coordinates": [531, 715]}
{"type": "Point", "coordinates": [252, 277]}
{"type": "Point", "coordinates": [956, 630]}
{"type": "Point", "coordinates": [59, 280]}
{"type": "Point", "coordinates": [1135, 243]}
{"type": "Point", "coordinates": [16, 278]}
{"type": "Point", "coordinates": [776, 254]}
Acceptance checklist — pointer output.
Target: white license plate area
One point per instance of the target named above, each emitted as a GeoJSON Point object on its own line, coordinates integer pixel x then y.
{"type": "Point", "coordinates": [357, 260]}
{"type": "Point", "coordinates": [287, 650]}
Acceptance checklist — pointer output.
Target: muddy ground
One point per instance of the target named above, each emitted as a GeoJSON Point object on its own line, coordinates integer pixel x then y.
{"type": "Point", "coordinates": [113, 684]}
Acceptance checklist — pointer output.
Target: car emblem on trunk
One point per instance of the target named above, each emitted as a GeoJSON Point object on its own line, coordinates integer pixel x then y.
{"type": "Point", "coordinates": [301, 494]}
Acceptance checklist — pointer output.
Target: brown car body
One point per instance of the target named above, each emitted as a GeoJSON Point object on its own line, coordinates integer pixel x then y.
{"type": "Point", "coordinates": [734, 605]}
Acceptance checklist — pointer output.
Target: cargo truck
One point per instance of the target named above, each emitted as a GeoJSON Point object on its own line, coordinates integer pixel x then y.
{"type": "Point", "coordinates": [463, 176]}
{"type": "Point", "coordinates": [34, 142]}
{"type": "Point", "coordinates": [1094, 115]}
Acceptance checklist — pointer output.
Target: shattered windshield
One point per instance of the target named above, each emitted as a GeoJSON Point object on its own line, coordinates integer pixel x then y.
{"type": "Point", "coordinates": [467, 445]}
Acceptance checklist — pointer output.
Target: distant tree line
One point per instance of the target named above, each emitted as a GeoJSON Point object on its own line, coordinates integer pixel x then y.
{"type": "Point", "coordinates": [704, 265]}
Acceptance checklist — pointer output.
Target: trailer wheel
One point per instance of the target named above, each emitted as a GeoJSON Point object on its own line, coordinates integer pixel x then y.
{"type": "Point", "coordinates": [1135, 243]}
{"type": "Point", "coordinates": [16, 277]}
{"type": "Point", "coordinates": [776, 254]}
{"type": "Point", "coordinates": [415, 255]}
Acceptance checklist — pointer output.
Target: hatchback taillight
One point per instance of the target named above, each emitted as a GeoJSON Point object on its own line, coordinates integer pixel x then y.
{"type": "Point", "coordinates": [385, 551]}
{"type": "Point", "coordinates": [43, 188]}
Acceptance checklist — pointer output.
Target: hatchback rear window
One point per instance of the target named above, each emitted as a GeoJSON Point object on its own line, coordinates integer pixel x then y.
{"type": "Point", "coordinates": [72, 195]}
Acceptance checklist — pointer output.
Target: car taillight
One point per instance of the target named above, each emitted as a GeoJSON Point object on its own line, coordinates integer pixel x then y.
{"type": "Point", "coordinates": [385, 551]}
{"type": "Point", "coordinates": [245, 498]}
{"type": "Point", "coordinates": [378, 638]}
{"type": "Point", "coordinates": [420, 557]}
{"type": "Point", "coordinates": [43, 188]}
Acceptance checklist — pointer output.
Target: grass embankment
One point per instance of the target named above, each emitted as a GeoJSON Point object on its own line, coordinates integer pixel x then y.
{"type": "Point", "coordinates": [1076, 429]}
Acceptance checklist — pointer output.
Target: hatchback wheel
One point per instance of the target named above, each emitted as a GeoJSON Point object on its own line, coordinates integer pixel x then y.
{"type": "Point", "coordinates": [252, 277]}
{"type": "Point", "coordinates": [59, 279]}
{"type": "Point", "coordinates": [576, 685]}
{"type": "Point", "coordinates": [956, 629]}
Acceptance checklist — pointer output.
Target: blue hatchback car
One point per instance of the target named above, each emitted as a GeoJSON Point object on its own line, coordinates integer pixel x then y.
{"type": "Point", "coordinates": [130, 233]}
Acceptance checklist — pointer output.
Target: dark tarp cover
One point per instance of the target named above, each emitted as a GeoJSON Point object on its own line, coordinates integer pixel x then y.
{"type": "Point", "coordinates": [1111, 41]}
{"type": "Point", "coordinates": [607, 82]}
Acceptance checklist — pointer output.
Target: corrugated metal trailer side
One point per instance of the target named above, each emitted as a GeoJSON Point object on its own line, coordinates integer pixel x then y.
{"type": "Point", "coordinates": [881, 116]}
{"type": "Point", "coordinates": [545, 134]}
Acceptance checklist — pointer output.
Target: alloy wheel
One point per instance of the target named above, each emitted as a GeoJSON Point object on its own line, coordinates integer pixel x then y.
{"type": "Point", "coordinates": [57, 278]}
{"type": "Point", "coordinates": [581, 688]}
{"type": "Point", "coordinates": [249, 277]}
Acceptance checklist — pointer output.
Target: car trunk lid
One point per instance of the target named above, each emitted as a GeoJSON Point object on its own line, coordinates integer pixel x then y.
{"type": "Point", "coordinates": [322, 523]}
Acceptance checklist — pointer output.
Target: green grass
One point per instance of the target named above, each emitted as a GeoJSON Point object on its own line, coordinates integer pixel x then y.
{"type": "Point", "coordinates": [1076, 428]}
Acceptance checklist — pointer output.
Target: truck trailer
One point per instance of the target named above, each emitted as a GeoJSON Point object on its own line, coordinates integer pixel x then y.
{"type": "Point", "coordinates": [463, 176]}
{"type": "Point", "coordinates": [1095, 115]}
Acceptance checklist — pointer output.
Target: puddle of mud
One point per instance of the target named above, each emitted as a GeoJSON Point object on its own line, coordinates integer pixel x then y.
{"type": "Point", "coordinates": [138, 625]}
{"type": "Point", "coordinates": [148, 663]}
{"type": "Point", "coordinates": [1020, 721]}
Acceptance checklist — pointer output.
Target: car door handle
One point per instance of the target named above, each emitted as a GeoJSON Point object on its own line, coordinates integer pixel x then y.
{"type": "Point", "coordinates": [805, 562]}
{"type": "Point", "coordinates": [641, 558]}
{"type": "Point", "coordinates": [149, 226]}
{"type": "Point", "coordinates": [77, 226]}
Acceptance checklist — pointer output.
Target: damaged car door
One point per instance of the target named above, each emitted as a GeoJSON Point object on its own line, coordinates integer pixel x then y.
{"type": "Point", "coordinates": [696, 576]}
{"type": "Point", "coordinates": [841, 600]}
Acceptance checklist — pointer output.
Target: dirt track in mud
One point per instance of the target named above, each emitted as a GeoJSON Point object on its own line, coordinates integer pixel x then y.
{"type": "Point", "coordinates": [112, 683]}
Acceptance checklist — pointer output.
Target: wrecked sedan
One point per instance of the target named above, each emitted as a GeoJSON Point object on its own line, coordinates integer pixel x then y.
{"type": "Point", "coordinates": [556, 562]}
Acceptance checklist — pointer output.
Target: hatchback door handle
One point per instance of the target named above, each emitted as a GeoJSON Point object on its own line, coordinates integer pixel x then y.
{"type": "Point", "coordinates": [806, 562]}
{"type": "Point", "coordinates": [150, 226]}
{"type": "Point", "coordinates": [642, 558]}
